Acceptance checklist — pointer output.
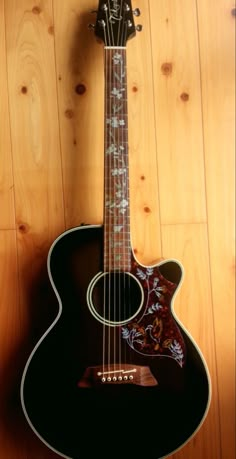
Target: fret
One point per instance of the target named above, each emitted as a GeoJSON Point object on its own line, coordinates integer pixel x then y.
{"type": "Point", "coordinates": [117, 246]}
{"type": "Point", "coordinates": [114, 241]}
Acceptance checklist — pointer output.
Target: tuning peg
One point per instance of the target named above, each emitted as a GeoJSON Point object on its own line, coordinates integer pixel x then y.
{"type": "Point", "coordinates": [139, 28]}
{"type": "Point", "coordinates": [91, 26]}
{"type": "Point", "coordinates": [137, 12]}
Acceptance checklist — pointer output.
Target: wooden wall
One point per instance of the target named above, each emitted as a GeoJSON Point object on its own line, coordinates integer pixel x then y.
{"type": "Point", "coordinates": [181, 132]}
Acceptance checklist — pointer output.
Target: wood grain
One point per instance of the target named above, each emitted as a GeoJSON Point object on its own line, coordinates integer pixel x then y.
{"type": "Point", "coordinates": [178, 111]}
{"type": "Point", "coordinates": [7, 215]}
{"type": "Point", "coordinates": [144, 186]}
{"type": "Point", "coordinates": [217, 45]}
{"type": "Point", "coordinates": [35, 132]}
{"type": "Point", "coordinates": [80, 95]}
{"type": "Point", "coordinates": [181, 84]}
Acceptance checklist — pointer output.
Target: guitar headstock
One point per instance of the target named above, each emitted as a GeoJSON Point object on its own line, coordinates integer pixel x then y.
{"type": "Point", "coordinates": [115, 22]}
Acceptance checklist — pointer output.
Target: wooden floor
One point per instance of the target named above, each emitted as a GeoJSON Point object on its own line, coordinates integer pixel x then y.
{"type": "Point", "coordinates": [181, 135]}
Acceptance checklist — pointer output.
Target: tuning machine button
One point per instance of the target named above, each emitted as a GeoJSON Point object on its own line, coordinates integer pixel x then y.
{"type": "Point", "coordinates": [91, 26]}
{"type": "Point", "coordinates": [137, 12]}
{"type": "Point", "coordinates": [139, 28]}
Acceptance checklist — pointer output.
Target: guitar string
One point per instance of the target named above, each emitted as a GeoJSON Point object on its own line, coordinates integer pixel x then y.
{"type": "Point", "coordinates": [105, 206]}
{"type": "Point", "coordinates": [113, 256]}
{"type": "Point", "coordinates": [107, 26]}
{"type": "Point", "coordinates": [109, 22]}
{"type": "Point", "coordinates": [121, 9]}
{"type": "Point", "coordinates": [122, 250]}
{"type": "Point", "coordinates": [111, 161]}
{"type": "Point", "coordinates": [118, 249]}
{"type": "Point", "coordinates": [127, 170]}
{"type": "Point", "coordinates": [121, 241]}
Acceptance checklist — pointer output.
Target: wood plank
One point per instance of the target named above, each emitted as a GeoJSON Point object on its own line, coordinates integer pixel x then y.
{"type": "Point", "coordinates": [10, 341]}
{"type": "Point", "coordinates": [7, 218]}
{"type": "Point", "coordinates": [34, 122]}
{"type": "Point", "coordinates": [178, 111]}
{"type": "Point", "coordinates": [193, 307]}
{"type": "Point", "coordinates": [81, 98]}
{"type": "Point", "coordinates": [10, 336]}
{"type": "Point", "coordinates": [144, 191]}
{"type": "Point", "coordinates": [217, 45]}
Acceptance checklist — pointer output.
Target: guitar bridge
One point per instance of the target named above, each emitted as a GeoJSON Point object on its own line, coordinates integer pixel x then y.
{"type": "Point", "coordinates": [117, 374]}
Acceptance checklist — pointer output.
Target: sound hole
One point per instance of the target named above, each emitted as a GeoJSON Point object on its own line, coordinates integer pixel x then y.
{"type": "Point", "coordinates": [116, 297]}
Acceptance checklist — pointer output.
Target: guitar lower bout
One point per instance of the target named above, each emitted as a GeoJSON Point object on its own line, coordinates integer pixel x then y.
{"type": "Point", "coordinates": [83, 368]}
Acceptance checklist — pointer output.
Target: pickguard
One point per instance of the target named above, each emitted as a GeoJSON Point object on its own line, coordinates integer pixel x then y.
{"type": "Point", "coordinates": [155, 332]}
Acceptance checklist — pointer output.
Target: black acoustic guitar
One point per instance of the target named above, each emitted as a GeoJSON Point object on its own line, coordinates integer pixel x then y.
{"type": "Point", "coordinates": [116, 375]}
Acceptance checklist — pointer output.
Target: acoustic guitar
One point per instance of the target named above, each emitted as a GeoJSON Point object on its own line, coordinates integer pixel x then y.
{"type": "Point", "coordinates": [116, 374]}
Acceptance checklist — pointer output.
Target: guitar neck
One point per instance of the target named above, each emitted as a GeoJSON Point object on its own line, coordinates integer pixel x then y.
{"type": "Point", "coordinates": [117, 253]}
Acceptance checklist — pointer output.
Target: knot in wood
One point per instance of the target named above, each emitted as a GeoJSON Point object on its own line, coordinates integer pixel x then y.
{"type": "Point", "coordinates": [69, 113]}
{"type": "Point", "coordinates": [36, 9]}
{"type": "Point", "coordinates": [167, 68]}
{"type": "Point", "coordinates": [23, 228]}
{"type": "Point", "coordinates": [80, 89]}
{"type": "Point", "coordinates": [184, 96]}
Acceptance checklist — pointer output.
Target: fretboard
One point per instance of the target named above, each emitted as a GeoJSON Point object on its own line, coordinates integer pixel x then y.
{"type": "Point", "coordinates": [116, 178]}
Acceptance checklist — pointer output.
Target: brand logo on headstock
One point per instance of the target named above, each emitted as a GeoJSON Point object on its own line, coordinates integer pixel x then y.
{"type": "Point", "coordinates": [115, 12]}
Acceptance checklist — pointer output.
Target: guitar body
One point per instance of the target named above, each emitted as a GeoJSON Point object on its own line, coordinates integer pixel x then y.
{"type": "Point", "coordinates": [125, 383]}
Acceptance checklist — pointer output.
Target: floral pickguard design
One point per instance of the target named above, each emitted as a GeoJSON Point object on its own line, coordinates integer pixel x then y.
{"type": "Point", "coordinates": [156, 332]}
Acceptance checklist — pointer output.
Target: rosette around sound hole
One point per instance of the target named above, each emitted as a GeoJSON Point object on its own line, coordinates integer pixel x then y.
{"type": "Point", "coordinates": [115, 297]}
